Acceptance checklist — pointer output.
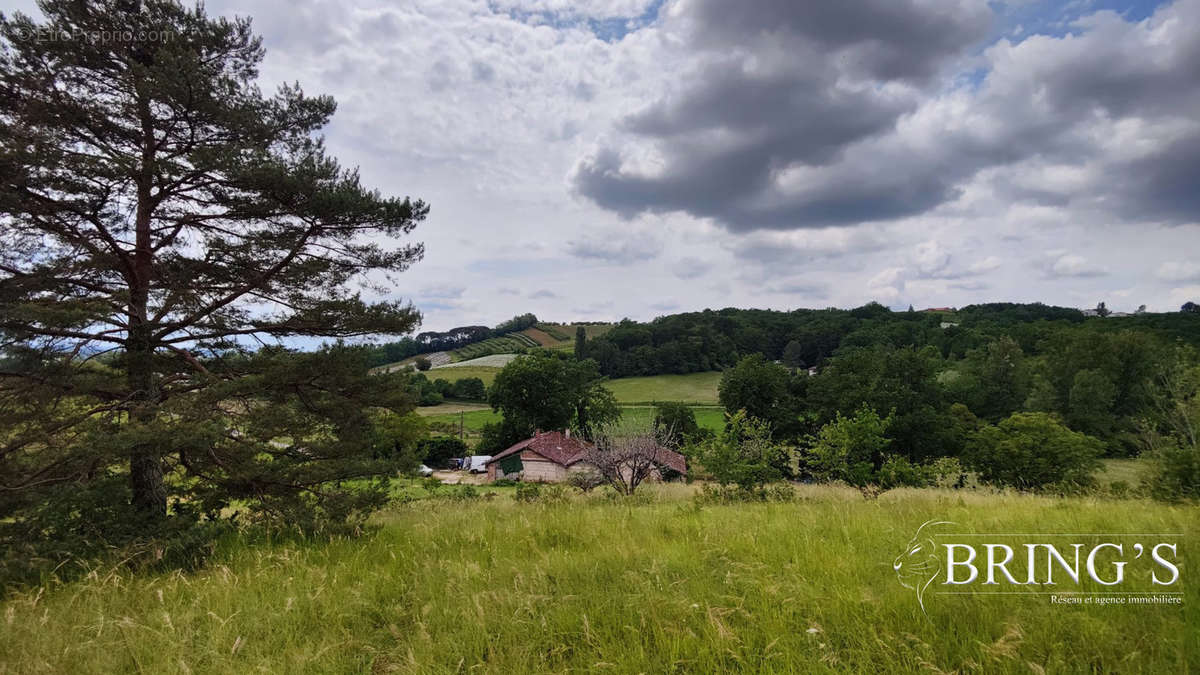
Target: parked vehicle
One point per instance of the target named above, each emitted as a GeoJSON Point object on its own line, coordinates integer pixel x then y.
{"type": "Point", "coordinates": [476, 463]}
{"type": "Point", "coordinates": [425, 471]}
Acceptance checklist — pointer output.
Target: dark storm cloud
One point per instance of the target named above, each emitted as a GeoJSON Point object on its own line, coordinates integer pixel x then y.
{"type": "Point", "coordinates": [785, 84]}
{"type": "Point", "coordinates": [884, 39]}
{"type": "Point", "coordinates": [759, 142]}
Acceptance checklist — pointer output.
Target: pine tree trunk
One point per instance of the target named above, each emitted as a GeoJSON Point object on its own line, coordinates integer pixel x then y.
{"type": "Point", "coordinates": [145, 463]}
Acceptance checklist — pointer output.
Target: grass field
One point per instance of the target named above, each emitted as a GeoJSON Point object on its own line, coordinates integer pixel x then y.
{"type": "Point", "coordinates": [474, 416]}
{"type": "Point", "coordinates": [456, 373]}
{"type": "Point", "coordinates": [495, 586]}
{"type": "Point", "coordinates": [708, 417]}
{"type": "Point", "coordinates": [692, 388]}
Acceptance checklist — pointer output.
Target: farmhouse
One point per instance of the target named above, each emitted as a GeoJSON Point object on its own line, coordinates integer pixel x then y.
{"type": "Point", "coordinates": [551, 456]}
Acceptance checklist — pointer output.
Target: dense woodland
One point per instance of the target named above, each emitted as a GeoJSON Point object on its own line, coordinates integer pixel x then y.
{"type": "Point", "coordinates": [714, 339]}
{"type": "Point", "coordinates": [939, 374]}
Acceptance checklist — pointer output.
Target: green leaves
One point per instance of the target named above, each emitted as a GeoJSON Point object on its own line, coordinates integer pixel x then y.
{"type": "Point", "coordinates": [549, 391]}
{"type": "Point", "coordinates": [1033, 451]}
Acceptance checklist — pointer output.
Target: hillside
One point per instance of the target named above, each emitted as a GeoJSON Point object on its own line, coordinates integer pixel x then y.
{"type": "Point", "coordinates": [476, 343]}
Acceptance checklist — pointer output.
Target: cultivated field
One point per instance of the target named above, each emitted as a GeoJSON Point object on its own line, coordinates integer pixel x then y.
{"type": "Point", "coordinates": [594, 585]}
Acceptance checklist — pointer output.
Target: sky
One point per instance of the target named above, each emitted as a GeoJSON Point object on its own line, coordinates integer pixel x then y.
{"type": "Point", "coordinates": [633, 158]}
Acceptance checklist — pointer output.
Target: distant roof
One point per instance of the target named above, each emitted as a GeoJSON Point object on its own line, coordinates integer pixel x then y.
{"type": "Point", "coordinates": [553, 445]}
{"type": "Point", "coordinates": [560, 448]}
{"type": "Point", "coordinates": [939, 309]}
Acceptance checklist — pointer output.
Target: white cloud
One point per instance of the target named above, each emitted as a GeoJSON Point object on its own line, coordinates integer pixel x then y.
{"type": "Point", "coordinates": [980, 164]}
{"type": "Point", "coordinates": [1178, 271]}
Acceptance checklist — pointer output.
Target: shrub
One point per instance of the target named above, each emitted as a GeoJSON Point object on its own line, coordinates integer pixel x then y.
{"type": "Point", "coordinates": [898, 471]}
{"type": "Point", "coordinates": [437, 452]}
{"type": "Point", "coordinates": [423, 363]}
{"type": "Point", "coordinates": [733, 494]}
{"type": "Point", "coordinates": [469, 389]}
{"type": "Point", "coordinates": [464, 493]}
{"type": "Point", "coordinates": [743, 454]}
{"type": "Point", "coordinates": [1176, 475]}
{"type": "Point", "coordinates": [432, 485]}
{"type": "Point", "coordinates": [1033, 451]}
{"type": "Point", "coordinates": [528, 492]}
{"type": "Point", "coordinates": [947, 472]}
{"type": "Point", "coordinates": [585, 481]}
{"type": "Point", "coordinates": [1119, 489]}
{"type": "Point", "coordinates": [1171, 439]}
{"type": "Point", "coordinates": [849, 448]}
{"type": "Point", "coordinates": [675, 423]}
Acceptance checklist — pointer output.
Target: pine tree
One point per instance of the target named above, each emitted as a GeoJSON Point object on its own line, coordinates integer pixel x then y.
{"type": "Point", "coordinates": [158, 213]}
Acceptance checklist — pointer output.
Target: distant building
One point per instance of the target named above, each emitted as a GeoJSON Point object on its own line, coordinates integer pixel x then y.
{"type": "Point", "coordinates": [938, 309]}
{"type": "Point", "coordinates": [552, 456]}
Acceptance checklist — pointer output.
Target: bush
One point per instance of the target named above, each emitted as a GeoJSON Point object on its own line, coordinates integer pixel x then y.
{"type": "Point", "coordinates": [528, 492]}
{"type": "Point", "coordinates": [464, 493]}
{"type": "Point", "coordinates": [1033, 451]}
{"type": "Point", "coordinates": [469, 389]}
{"type": "Point", "coordinates": [1176, 474]}
{"type": "Point", "coordinates": [849, 448]}
{"type": "Point", "coordinates": [437, 452]}
{"type": "Point", "coordinates": [734, 494]}
{"type": "Point", "coordinates": [433, 486]}
{"type": "Point", "coordinates": [585, 481]}
{"type": "Point", "coordinates": [743, 454]}
{"type": "Point", "coordinates": [900, 472]}
{"type": "Point", "coordinates": [675, 424]}
{"type": "Point", "coordinates": [423, 363]}
{"type": "Point", "coordinates": [1119, 489]}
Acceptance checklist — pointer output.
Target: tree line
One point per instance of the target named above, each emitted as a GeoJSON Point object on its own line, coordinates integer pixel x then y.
{"type": "Point", "coordinates": [434, 341]}
{"type": "Point", "coordinates": [716, 339]}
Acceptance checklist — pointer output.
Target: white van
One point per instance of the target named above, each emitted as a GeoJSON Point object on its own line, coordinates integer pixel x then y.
{"type": "Point", "coordinates": [476, 463]}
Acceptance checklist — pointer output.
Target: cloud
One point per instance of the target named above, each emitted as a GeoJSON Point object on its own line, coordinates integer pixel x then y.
{"type": "Point", "coordinates": [809, 289]}
{"type": "Point", "coordinates": [616, 251]}
{"type": "Point", "coordinates": [1177, 272]}
{"type": "Point", "coordinates": [791, 248]}
{"type": "Point", "coordinates": [442, 292]}
{"type": "Point", "coordinates": [1069, 265]}
{"type": "Point", "coordinates": [800, 119]}
{"type": "Point", "coordinates": [543, 293]}
{"type": "Point", "coordinates": [788, 146]}
{"type": "Point", "coordinates": [690, 268]}
{"type": "Point", "coordinates": [934, 261]}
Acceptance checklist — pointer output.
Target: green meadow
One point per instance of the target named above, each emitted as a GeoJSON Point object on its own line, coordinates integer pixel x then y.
{"type": "Point", "coordinates": [691, 388]}
{"type": "Point", "coordinates": [656, 584]}
{"type": "Point", "coordinates": [698, 388]}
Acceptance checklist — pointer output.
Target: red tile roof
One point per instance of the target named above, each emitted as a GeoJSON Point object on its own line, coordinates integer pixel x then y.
{"type": "Point", "coordinates": [567, 450]}
{"type": "Point", "coordinates": [553, 445]}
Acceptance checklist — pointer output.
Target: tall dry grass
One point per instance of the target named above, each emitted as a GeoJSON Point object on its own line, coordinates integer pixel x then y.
{"type": "Point", "coordinates": [590, 585]}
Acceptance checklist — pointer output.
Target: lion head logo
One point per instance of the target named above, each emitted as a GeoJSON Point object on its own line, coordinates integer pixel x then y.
{"type": "Point", "coordinates": [919, 564]}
